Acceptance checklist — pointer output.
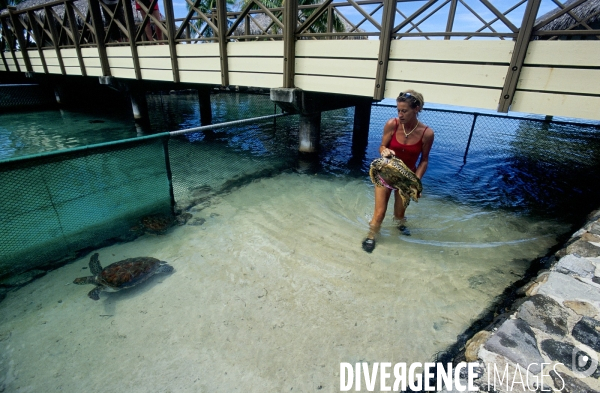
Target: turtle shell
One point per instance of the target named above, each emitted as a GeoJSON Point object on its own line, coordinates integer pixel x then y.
{"type": "Point", "coordinates": [394, 174]}
{"type": "Point", "coordinates": [129, 272]}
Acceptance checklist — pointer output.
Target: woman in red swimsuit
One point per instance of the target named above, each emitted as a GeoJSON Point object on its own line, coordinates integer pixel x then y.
{"type": "Point", "coordinates": [408, 139]}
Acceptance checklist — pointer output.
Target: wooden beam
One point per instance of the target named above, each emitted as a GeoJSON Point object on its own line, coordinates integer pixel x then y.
{"type": "Point", "coordinates": [75, 32]}
{"type": "Point", "coordinates": [451, 15]}
{"type": "Point", "coordinates": [54, 36]}
{"type": "Point", "coordinates": [316, 14]}
{"type": "Point", "coordinates": [290, 21]}
{"type": "Point", "coordinates": [131, 32]}
{"type": "Point", "coordinates": [222, 29]}
{"type": "Point", "coordinates": [385, 39]}
{"type": "Point", "coordinates": [99, 35]}
{"type": "Point", "coordinates": [171, 32]}
{"type": "Point", "coordinates": [500, 16]}
{"type": "Point", "coordinates": [38, 39]}
{"type": "Point", "coordinates": [518, 56]}
{"type": "Point", "coordinates": [20, 38]}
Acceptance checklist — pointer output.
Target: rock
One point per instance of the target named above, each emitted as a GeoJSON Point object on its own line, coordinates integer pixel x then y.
{"type": "Point", "coordinates": [545, 314]}
{"type": "Point", "coordinates": [587, 331]}
{"type": "Point", "coordinates": [516, 341]}
{"type": "Point", "coordinates": [563, 287]}
{"type": "Point", "coordinates": [473, 345]}
{"type": "Point", "coordinates": [583, 248]}
{"type": "Point", "coordinates": [581, 308]}
{"type": "Point", "coordinates": [3, 292]}
{"type": "Point", "coordinates": [590, 237]}
{"type": "Point", "coordinates": [531, 287]}
{"type": "Point", "coordinates": [562, 352]}
{"type": "Point", "coordinates": [594, 228]}
{"type": "Point", "coordinates": [23, 278]}
{"type": "Point", "coordinates": [571, 264]}
{"type": "Point", "coordinates": [569, 384]}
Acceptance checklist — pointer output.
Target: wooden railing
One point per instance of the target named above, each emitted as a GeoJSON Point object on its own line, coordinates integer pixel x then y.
{"type": "Point", "coordinates": [294, 45]}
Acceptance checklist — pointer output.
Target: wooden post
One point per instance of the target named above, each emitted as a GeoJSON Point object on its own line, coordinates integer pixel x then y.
{"type": "Point", "coordinates": [11, 44]}
{"type": "Point", "coordinates": [16, 24]}
{"type": "Point", "coordinates": [362, 119]}
{"type": "Point", "coordinates": [171, 32]}
{"type": "Point", "coordinates": [38, 38]}
{"type": "Point", "coordinates": [205, 108]}
{"type": "Point", "coordinates": [99, 34]}
{"type": "Point", "coordinates": [222, 31]}
{"type": "Point", "coordinates": [385, 40]}
{"type": "Point", "coordinates": [131, 31]}
{"type": "Point", "coordinates": [518, 56]}
{"type": "Point", "coordinates": [290, 22]}
{"type": "Point", "coordinates": [54, 35]}
{"type": "Point", "coordinates": [451, 15]}
{"type": "Point", "coordinates": [75, 32]}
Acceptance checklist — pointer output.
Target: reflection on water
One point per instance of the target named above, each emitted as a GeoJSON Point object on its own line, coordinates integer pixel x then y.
{"type": "Point", "coordinates": [271, 287]}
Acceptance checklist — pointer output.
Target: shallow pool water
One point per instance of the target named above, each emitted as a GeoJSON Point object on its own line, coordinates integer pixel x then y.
{"type": "Point", "coordinates": [270, 293]}
{"type": "Point", "coordinates": [271, 289]}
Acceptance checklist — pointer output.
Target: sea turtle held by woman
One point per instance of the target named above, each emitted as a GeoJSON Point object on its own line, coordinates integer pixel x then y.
{"type": "Point", "coordinates": [120, 275]}
{"type": "Point", "coordinates": [391, 172]}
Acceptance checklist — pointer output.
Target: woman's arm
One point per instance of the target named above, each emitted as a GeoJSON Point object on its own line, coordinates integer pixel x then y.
{"type": "Point", "coordinates": [427, 143]}
{"type": "Point", "coordinates": [388, 132]}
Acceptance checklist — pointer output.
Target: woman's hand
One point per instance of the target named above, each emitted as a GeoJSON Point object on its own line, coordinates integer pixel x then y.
{"type": "Point", "coordinates": [387, 152]}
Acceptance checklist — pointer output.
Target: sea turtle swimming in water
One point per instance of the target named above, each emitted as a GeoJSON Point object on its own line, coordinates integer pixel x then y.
{"type": "Point", "coordinates": [120, 275]}
{"type": "Point", "coordinates": [392, 173]}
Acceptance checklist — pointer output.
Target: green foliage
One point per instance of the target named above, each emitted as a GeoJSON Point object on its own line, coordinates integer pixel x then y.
{"type": "Point", "coordinates": [206, 7]}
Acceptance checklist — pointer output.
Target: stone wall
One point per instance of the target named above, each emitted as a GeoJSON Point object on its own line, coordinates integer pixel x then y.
{"type": "Point", "coordinates": [549, 340]}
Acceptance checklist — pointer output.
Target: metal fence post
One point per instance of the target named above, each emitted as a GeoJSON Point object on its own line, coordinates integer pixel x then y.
{"type": "Point", "coordinates": [470, 137]}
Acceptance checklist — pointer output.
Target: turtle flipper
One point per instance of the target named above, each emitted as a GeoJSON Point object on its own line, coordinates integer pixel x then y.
{"type": "Point", "coordinates": [164, 268]}
{"type": "Point", "coordinates": [95, 266]}
{"type": "Point", "coordinates": [95, 293]}
{"type": "Point", "coordinates": [85, 280]}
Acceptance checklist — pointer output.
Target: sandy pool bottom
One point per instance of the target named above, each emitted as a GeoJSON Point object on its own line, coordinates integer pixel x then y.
{"type": "Point", "coordinates": [269, 294]}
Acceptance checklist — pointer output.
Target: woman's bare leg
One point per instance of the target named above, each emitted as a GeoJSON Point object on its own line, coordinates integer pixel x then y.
{"type": "Point", "coordinates": [382, 197]}
{"type": "Point", "coordinates": [399, 208]}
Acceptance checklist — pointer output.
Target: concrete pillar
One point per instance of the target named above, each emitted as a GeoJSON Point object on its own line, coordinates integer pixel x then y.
{"type": "Point", "coordinates": [205, 108]}
{"type": "Point", "coordinates": [57, 95]}
{"type": "Point", "coordinates": [309, 132]}
{"type": "Point", "coordinates": [139, 106]}
{"type": "Point", "coordinates": [362, 118]}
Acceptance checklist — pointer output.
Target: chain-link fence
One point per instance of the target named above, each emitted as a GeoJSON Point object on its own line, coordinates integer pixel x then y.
{"type": "Point", "coordinates": [57, 205]}
{"type": "Point", "coordinates": [21, 96]}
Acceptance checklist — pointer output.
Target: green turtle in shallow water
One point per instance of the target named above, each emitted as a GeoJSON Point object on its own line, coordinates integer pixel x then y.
{"type": "Point", "coordinates": [394, 174]}
{"type": "Point", "coordinates": [120, 275]}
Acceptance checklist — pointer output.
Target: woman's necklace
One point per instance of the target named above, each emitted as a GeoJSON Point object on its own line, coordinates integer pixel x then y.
{"type": "Point", "coordinates": [403, 130]}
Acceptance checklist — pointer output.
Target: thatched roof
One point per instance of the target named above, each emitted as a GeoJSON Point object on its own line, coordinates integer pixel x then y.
{"type": "Point", "coordinates": [82, 5]}
{"type": "Point", "coordinates": [563, 22]}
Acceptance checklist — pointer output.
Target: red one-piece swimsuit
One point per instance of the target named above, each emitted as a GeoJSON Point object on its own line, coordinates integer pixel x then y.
{"type": "Point", "coordinates": [409, 154]}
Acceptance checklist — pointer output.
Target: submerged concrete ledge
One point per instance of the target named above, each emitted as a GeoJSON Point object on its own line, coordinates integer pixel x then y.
{"type": "Point", "coordinates": [549, 340]}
